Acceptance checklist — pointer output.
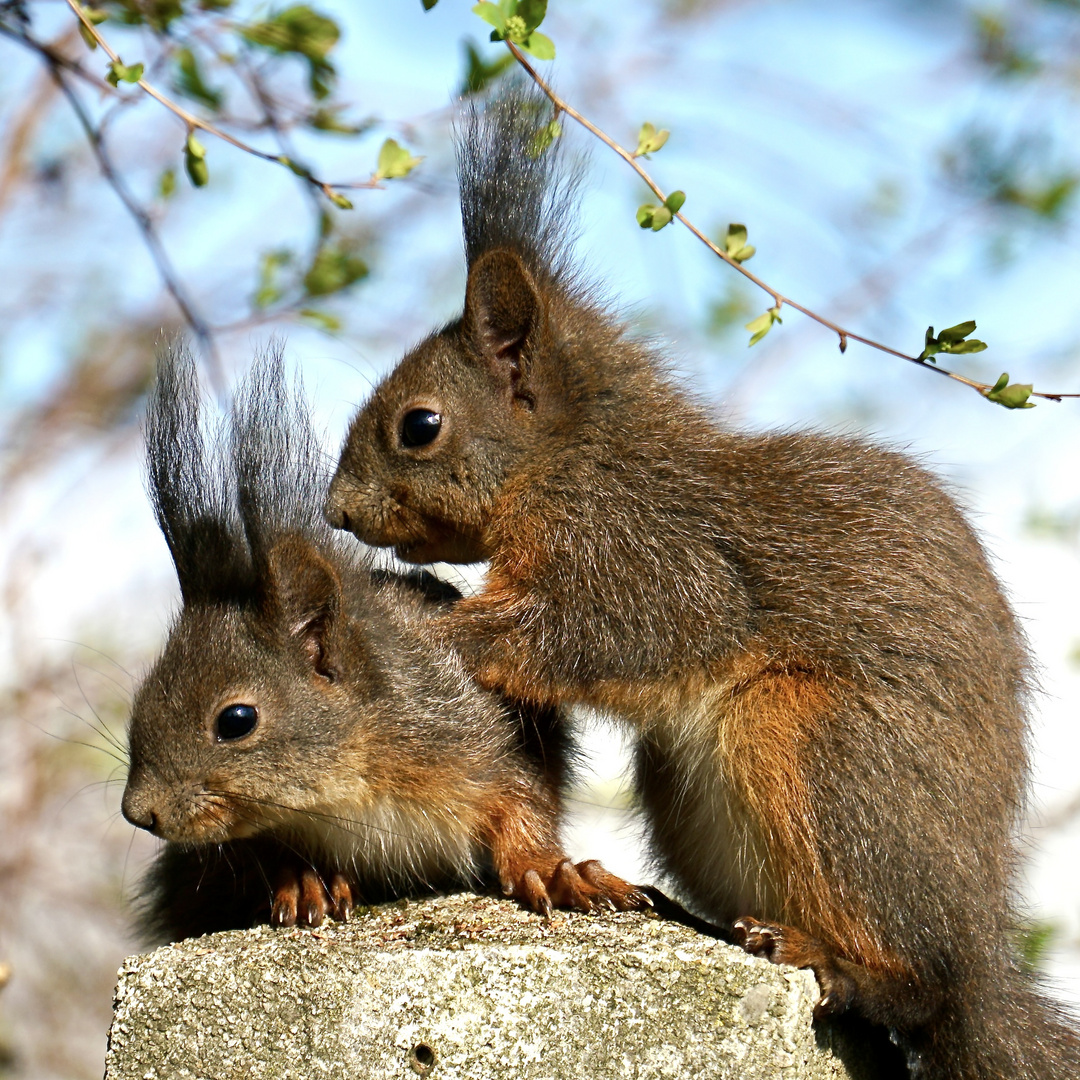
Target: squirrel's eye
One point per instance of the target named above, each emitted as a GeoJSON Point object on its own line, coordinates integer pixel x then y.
{"type": "Point", "coordinates": [235, 722]}
{"type": "Point", "coordinates": [420, 427]}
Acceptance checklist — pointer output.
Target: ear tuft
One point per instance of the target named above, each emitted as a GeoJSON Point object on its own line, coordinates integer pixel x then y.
{"type": "Point", "coordinates": [502, 307]}
{"type": "Point", "coordinates": [305, 593]}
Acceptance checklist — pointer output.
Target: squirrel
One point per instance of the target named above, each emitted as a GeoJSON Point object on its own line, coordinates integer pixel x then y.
{"type": "Point", "coordinates": [304, 739]}
{"type": "Point", "coordinates": [827, 684]}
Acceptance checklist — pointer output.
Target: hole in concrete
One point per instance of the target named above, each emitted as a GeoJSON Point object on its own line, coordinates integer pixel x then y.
{"type": "Point", "coordinates": [422, 1059]}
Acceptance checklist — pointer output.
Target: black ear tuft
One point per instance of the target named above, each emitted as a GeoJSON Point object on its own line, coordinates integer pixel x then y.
{"type": "Point", "coordinates": [502, 308]}
{"type": "Point", "coordinates": [304, 592]}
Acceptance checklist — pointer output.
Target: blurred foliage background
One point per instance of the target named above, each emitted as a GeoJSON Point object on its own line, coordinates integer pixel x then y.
{"type": "Point", "coordinates": [898, 163]}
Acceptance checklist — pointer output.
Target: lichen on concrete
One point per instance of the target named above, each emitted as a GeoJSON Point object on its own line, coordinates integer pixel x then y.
{"type": "Point", "coordinates": [466, 988]}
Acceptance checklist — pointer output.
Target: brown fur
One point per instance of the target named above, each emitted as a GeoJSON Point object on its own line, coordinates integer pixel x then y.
{"type": "Point", "coordinates": [826, 682]}
{"type": "Point", "coordinates": [375, 765]}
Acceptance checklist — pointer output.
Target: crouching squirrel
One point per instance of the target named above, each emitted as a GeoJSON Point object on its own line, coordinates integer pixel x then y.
{"type": "Point", "coordinates": [304, 739]}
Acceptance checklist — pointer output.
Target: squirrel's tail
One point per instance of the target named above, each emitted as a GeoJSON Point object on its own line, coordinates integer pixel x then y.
{"type": "Point", "coordinates": [998, 1025]}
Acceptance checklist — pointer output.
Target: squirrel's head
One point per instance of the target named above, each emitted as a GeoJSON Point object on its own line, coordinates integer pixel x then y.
{"type": "Point", "coordinates": [245, 719]}
{"type": "Point", "coordinates": [426, 457]}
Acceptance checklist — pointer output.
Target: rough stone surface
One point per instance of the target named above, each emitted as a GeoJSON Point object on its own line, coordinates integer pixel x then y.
{"type": "Point", "coordinates": [469, 988]}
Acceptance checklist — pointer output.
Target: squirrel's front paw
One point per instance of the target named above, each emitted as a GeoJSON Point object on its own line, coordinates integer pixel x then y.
{"type": "Point", "coordinates": [303, 897]}
{"type": "Point", "coordinates": [546, 884]}
{"type": "Point", "coordinates": [786, 945]}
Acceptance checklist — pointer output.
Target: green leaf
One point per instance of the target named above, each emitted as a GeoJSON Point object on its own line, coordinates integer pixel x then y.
{"type": "Point", "coordinates": [661, 217]}
{"type": "Point", "coordinates": [491, 14]}
{"type": "Point", "coordinates": [332, 270]}
{"type": "Point", "coordinates": [197, 169]}
{"type": "Point", "coordinates": [322, 319]}
{"type": "Point", "coordinates": [650, 140]}
{"type": "Point", "coordinates": [269, 291]}
{"type": "Point", "coordinates": [544, 137]}
{"type": "Point", "coordinates": [950, 340]}
{"type": "Point", "coordinates": [294, 166]}
{"type": "Point", "coordinates": [974, 345]}
{"type": "Point", "coordinates": [675, 201]}
{"type": "Point", "coordinates": [195, 161]}
{"type": "Point", "coordinates": [119, 73]}
{"type": "Point", "coordinates": [760, 326]}
{"type": "Point", "coordinates": [429, 4]}
{"type": "Point", "coordinates": [340, 201]}
{"type": "Point", "coordinates": [735, 243]}
{"type": "Point", "coordinates": [329, 119]}
{"type": "Point", "coordinates": [394, 161]}
{"type": "Point", "coordinates": [478, 73]}
{"type": "Point", "coordinates": [533, 12]}
{"type": "Point", "coordinates": [957, 332]}
{"type": "Point", "coordinates": [1010, 395]}
{"type": "Point", "coordinates": [303, 31]}
{"type": "Point", "coordinates": [191, 82]}
{"type": "Point", "coordinates": [95, 16]}
{"type": "Point", "coordinates": [167, 184]}
{"type": "Point", "coordinates": [645, 215]}
{"type": "Point", "coordinates": [540, 45]}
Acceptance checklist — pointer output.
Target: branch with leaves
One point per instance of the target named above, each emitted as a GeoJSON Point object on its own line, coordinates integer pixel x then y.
{"type": "Point", "coordinates": [515, 23]}
{"type": "Point", "coordinates": [298, 30]}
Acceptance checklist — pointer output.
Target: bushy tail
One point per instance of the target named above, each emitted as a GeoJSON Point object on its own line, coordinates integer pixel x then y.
{"type": "Point", "coordinates": [998, 1027]}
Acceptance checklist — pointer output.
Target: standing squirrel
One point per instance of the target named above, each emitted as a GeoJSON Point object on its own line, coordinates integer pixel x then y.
{"type": "Point", "coordinates": [304, 738]}
{"type": "Point", "coordinates": [827, 684]}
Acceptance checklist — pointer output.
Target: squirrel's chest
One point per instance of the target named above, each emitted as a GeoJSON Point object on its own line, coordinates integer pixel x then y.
{"type": "Point", "coordinates": [390, 840]}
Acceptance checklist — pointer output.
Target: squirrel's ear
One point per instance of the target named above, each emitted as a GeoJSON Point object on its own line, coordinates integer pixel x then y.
{"type": "Point", "coordinates": [502, 306]}
{"type": "Point", "coordinates": [305, 594]}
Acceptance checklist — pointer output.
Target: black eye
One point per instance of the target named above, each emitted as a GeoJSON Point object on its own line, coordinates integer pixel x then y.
{"type": "Point", "coordinates": [235, 722]}
{"type": "Point", "coordinates": [419, 427]}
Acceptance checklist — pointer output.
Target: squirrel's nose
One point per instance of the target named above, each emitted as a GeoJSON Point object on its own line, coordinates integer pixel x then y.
{"type": "Point", "coordinates": [335, 515]}
{"type": "Point", "coordinates": [138, 812]}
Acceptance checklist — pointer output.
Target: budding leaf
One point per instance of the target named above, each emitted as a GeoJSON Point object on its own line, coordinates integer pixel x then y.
{"type": "Point", "coordinates": [294, 166]}
{"type": "Point", "coordinates": [340, 201]}
{"type": "Point", "coordinates": [675, 201]}
{"type": "Point", "coordinates": [95, 16]}
{"type": "Point", "coordinates": [735, 244]}
{"type": "Point", "coordinates": [119, 73]}
{"type": "Point", "coordinates": [650, 140]}
{"type": "Point", "coordinates": [167, 184]}
{"type": "Point", "coordinates": [429, 4]}
{"type": "Point", "coordinates": [957, 333]}
{"type": "Point", "coordinates": [661, 217]}
{"type": "Point", "coordinates": [394, 161]}
{"type": "Point", "coordinates": [760, 326]}
{"type": "Point", "coordinates": [645, 215]}
{"type": "Point", "coordinates": [951, 340]}
{"type": "Point", "coordinates": [195, 161]}
{"type": "Point", "coordinates": [1011, 396]}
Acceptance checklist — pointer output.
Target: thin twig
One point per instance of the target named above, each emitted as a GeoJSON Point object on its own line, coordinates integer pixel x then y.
{"type": "Point", "coordinates": [193, 122]}
{"type": "Point", "coordinates": [778, 298]}
{"type": "Point", "coordinates": [149, 232]}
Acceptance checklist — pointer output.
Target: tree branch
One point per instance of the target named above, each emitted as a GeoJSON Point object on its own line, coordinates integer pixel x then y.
{"type": "Point", "coordinates": [778, 298]}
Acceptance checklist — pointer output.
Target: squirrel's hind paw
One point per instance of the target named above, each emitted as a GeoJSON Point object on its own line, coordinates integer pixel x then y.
{"type": "Point", "coordinates": [303, 897]}
{"type": "Point", "coordinates": [786, 945]}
